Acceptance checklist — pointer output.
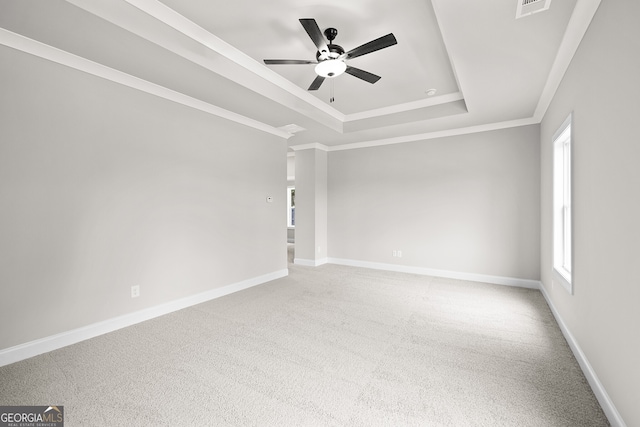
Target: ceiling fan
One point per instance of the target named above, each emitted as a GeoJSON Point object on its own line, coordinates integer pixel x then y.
{"type": "Point", "coordinates": [331, 59]}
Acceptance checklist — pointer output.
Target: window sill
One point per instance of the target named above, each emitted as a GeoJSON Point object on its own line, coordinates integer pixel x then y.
{"type": "Point", "coordinates": [559, 278]}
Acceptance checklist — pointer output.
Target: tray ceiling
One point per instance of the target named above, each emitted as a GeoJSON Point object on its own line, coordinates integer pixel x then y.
{"type": "Point", "coordinates": [489, 69]}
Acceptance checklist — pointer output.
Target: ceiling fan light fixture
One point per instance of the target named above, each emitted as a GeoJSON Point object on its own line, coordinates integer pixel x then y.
{"type": "Point", "coordinates": [331, 58]}
{"type": "Point", "coordinates": [330, 68]}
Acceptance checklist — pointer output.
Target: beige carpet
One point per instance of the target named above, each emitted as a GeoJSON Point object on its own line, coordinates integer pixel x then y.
{"type": "Point", "coordinates": [325, 346]}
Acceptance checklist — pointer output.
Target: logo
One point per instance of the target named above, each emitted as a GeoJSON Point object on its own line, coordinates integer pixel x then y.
{"type": "Point", "coordinates": [31, 416]}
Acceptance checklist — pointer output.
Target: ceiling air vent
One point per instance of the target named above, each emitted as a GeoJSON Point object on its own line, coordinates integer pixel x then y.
{"type": "Point", "coordinates": [529, 7]}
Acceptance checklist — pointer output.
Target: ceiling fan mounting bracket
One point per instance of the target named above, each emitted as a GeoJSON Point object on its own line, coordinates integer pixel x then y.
{"type": "Point", "coordinates": [331, 34]}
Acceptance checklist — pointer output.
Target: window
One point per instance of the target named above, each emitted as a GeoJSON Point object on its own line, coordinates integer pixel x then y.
{"type": "Point", "coordinates": [291, 207]}
{"type": "Point", "coordinates": [562, 254]}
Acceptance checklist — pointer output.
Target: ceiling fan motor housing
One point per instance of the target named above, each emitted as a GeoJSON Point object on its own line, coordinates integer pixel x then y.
{"type": "Point", "coordinates": [334, 52]}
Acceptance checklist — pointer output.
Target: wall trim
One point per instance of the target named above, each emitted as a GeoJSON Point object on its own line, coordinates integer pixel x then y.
{"type": "Point", "coordinates": [310, 262]}
{"type": "Point", "coordinates": [496, 280]}
{"type": "Point", "coordinates": [605, 401]}
{"type": "Point", "coordinates": [54, 342]}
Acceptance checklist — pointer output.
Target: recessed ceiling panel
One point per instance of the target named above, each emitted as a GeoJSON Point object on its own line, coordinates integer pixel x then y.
{"type": "Point", "coordinates": [271, 30]}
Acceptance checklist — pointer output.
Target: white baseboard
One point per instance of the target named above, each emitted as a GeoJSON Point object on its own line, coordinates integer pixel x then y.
{"type": "Point", "coordinates": [310, 262]}
{"type": "Point", "coordinates": [44, 345]}
{"type": "Point", "coordinates": [497, 280]}
{"type": "Point", "coordinates": [598, 389]}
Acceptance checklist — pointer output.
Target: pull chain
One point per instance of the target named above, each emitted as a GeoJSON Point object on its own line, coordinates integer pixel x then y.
{"type": "Point", "coordinates": [332, 98]}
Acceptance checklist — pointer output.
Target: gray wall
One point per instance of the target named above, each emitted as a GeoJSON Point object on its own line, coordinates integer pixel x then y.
{"type": "Point", "coordinates": [601, 88]}
{"type": "Point", "coordinates": [103, 187]}
{"type": "Point", "coordinates": [466, 204]}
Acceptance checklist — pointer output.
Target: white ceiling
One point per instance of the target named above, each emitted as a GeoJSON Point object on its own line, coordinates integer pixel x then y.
{"type": "Point", "coordinates": [490, 69]}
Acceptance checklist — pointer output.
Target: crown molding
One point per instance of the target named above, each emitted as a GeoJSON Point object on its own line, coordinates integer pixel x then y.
{"type": "Point", "coordinates": [53, 54]}
{"type": "Point", "coordinates": [401, 108]}
{"type": "Point", "coordinates": [313, 146]}
{"type": "Point", "coordinates": [422, 136]}
{"type": "Point", "coordinates": [579, 22]}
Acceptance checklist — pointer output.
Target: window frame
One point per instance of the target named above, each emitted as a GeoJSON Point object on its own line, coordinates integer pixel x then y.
{"type": "Point", "coordinates": [562, 205]}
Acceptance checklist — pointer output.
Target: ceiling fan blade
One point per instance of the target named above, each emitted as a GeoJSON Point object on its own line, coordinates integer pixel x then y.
{"type": "Point", "coordinates": [372, 46]}
{"type": "Point", "coordinates": [311, 26]}
{"type": "Point", "coordinates": [288, 61]}
{"type": "Point", "coordinates": [315, 85]}
{"type": "Point", "coordinates": [361, 74]}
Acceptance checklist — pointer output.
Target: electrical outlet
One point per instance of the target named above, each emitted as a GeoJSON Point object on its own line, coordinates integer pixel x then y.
{"type": "Point", "coordinates": [395, 253]}
{"type": "Point", "coordinates": [135, 291]}
{"type": "Point", "coordinates": [399, 254]}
